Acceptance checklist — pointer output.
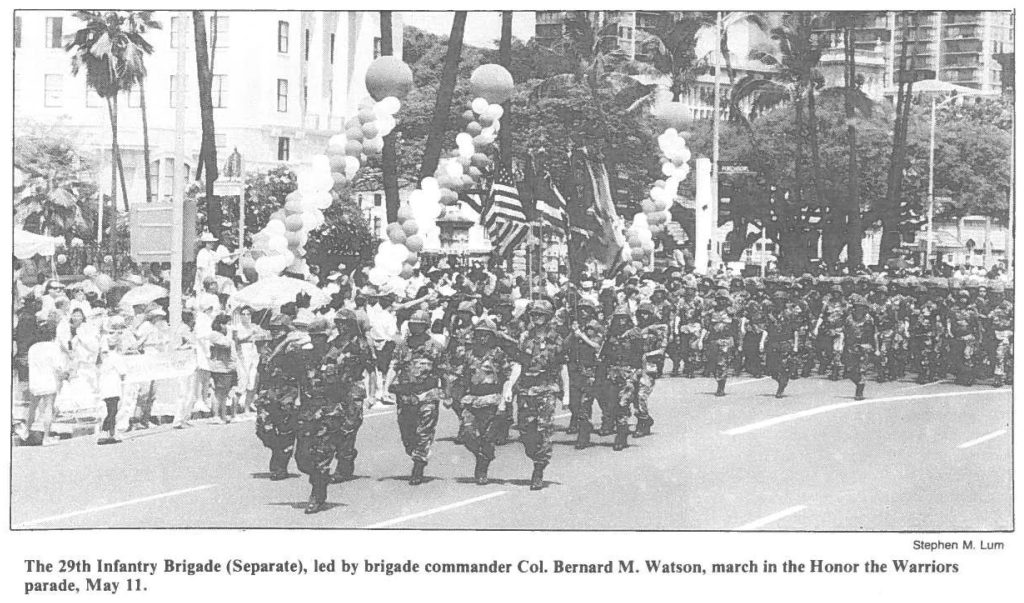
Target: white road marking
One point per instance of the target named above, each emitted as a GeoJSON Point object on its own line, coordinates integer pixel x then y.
{"type": "Point", "coordinates": [920, 385]}
{"type": "Point", "coordinates": [133, 501]}
{"type": "Point", "coordinates": [830, 407]}
{"type": "Point", "coordinates": [771, 518]}
{"type": "Point", "coordinates": [379, 414]}
{"type": "Point", "coordinates": [984, 438]}
{"type": "Point", "coordinates": [456, 505]}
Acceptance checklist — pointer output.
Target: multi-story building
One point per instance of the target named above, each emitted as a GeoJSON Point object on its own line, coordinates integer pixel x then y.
{"type": "Point", "coordinates": [620, 27]}
{"type": "Point", "coordinates": [960, 46]}
{"type": "Point", "coordinates": [283, 83]}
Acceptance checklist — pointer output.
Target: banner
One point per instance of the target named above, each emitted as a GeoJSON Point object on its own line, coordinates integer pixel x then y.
{"type": "Point", "coordinates": [142, 368]}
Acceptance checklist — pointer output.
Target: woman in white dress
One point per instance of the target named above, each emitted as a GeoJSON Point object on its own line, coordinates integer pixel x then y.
{"type": "Point", "coordinates": [245, 334]}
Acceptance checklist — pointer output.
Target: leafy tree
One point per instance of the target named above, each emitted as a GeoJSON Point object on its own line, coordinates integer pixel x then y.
{"type": "Point", "coordinates": [55, 195]}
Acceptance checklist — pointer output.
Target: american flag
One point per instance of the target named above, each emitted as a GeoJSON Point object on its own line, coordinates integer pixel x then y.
{"type": "Point", "coordinates": [474, 199]}
{"type": "Point", "coordinates": [503, 215]}
{"type": "Point", "coordinates": [551, 205]}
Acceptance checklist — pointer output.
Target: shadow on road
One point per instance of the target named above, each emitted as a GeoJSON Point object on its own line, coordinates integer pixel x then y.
{"type": "Point", "coordinates": [301, 506]}
{"type": "Point", "coordinates": [265, 475]}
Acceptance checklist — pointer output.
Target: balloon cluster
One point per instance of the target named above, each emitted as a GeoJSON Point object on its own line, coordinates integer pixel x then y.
{"type": "Point", "coordinates": [656, 207]}
{"type": "Point", "coordinates": [466, 166]}
{"type": "Point", "coordinates": [399, 253]}
{"type": "Point", "coordinates": [281, 244]}
{"type": "Point", "coordinates": [363, 138]}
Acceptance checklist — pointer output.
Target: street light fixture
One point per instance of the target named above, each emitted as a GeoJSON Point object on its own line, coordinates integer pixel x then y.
{"type": "Point", "coordinates": [931, 184]}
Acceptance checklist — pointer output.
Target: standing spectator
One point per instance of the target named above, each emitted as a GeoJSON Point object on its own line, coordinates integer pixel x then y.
{"type": "Point", "coordinates": [111, 375]}
{"type": "Point", "coordinates": [153, 337]}
{"type": "Point", "coordinates": [207, 259]}
{"type": "Point", "coordinates": [53, 293]}
{"type": "Point", "coordinates": [25, 334]}
{"type": "Point", "coordinates": [47, 367]}
{"type": "Point", "coordinates": [245, 334]}
{"type": "Point", "coordinates": [382, 334]}
{"type": "Point", "coordinates": [222, 367]}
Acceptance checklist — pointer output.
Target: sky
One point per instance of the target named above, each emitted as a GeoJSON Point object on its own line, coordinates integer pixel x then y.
{"type": "Point", "coordinates": [482, 28]}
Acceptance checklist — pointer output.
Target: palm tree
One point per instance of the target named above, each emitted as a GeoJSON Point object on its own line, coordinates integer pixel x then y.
{"type": "Point", "coordinates": [139, 22]}
{"type": "Point", "coordinates": [854, 224]}
{"type": "Point", "coordinates": [445, 91]}
{"type": "Point", "coordinates": [208, 147]}
{"type": "Point", "coordinates": [389, 159]}
{"type": "Point", "coordinates": [505, 59]}
{"type": "Point", "coordinates": [100, 48]}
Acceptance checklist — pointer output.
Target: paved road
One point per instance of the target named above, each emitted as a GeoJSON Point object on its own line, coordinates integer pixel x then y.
{"type": "Point", "coordinates": [917, 458]}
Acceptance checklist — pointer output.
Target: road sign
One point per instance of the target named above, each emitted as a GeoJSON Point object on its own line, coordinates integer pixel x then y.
{"type": "Point", "coordinates": [150, 231]}
{"type": "Point", "coordinates": [725, 169]}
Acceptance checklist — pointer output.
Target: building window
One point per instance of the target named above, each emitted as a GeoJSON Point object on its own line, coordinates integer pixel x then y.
{"type": "Point", "coordinates": [174, 32]}
{"type": "Point", "coordinates": [174, 91]}
{"type": "Point", "coordinates": [218, 32]}
{"type": "Point", "coordinates": [282, 96]}
{"type": "Point", "coordinates": [284, 145]}
{"type": "Point", "coordinates": [376, 48]}
{"type": "Point", "coordinates": [54, 31]}
{"type": "Point", "coordinates": [17, 35]}
{"type": "Point", "coordinates": [134, 98]}
{"type": "Point", "coordinates": [305, 46]}
{"type": "Point", "coordinates": [219, 91]}
{"type": "Point", "coordinates": [377, 199]}
{"type": "Point", "coordinates": [332, 49]}
{"type": "Point", "coordinates": [377, 225]}
{"type": "Point", "coordinates": [53, 94]}
{"type": "Point", "coordinates": [282, 36]}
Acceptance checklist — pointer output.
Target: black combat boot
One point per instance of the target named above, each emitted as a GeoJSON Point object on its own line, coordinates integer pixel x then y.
{"type": "Point", "coordinates": [318, 498]}
{"type": "Point", "coordinates": [481, 471]}
{"type": "Point", "coordinates": [783, 381]}
{"type": "Point", "coordinates": [643, 428]}
{"type": "Point", "coordinates": [344, 472]}
{"type": "Point", "coordinates": [574, 425]}
{"type": "Point", "coordinates": [417, 473]}
{"type": "Point", "coordinates": [537, 479]}
{"type": "Point", "coordinates": [621, 436]}
{"type": "Point", "coordinates": [583, 437]}
{"type": "Point", "coordinates": [859, 392]}
{"type": "Point", "coordinates": [836, 373]}
{"type": "Point", "coordinates": [607, 429]}
{"type": "Point", "coordinates": [721, 388]}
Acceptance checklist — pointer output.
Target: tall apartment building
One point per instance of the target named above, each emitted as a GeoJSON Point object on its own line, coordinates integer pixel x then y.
{"type": "Point", "coordinates": [550, 25]}
{"type": "Point", "coordinates": [283, 84]}
{"type": "Point", "coordinates": [960, 46]}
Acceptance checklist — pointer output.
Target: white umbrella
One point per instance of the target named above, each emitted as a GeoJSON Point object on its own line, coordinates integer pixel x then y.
{"type": "Point", "coordinates": [273, 292]}
{"type": "Point", "coordinates": [28, 244]}
{"type": "Point", "coordinates": [142, 295]}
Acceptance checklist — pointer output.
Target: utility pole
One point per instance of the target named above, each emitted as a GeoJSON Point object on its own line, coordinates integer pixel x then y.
{"type": "Point", "coordinates": [716, 119]}
{"type": "Point", "coordinates": [178, 204]}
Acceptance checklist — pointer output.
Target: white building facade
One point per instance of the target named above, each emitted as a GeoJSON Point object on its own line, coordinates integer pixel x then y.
{"type": "Point", "coordinates": [283, 84]}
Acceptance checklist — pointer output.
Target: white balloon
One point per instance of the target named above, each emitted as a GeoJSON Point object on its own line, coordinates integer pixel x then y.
{"type": "Point", "coordinates": [377, 276]}
{"type": "Point", "coordinates": [276, 227]}
{"type": "Point", "coordinates": [337, 139]}
{"type": "Point", "coordinates": [277, 243]}
{"type": "Point", "coordinates": [496, 125]}
{"type": "Point", "coordinates": [351, 166]}
{"type": "Point", "coordinates": [454, 169]}
{"type": "Point", "coordinates": [479, 105]}
{"type": "Point", "coordinates": [640, 219]}
{"type": "Point", "coordinates": [466, 152]}
{"type": "Point", "coordinates": [386, 124]}
{"type": "Point", "coordinates": [429, 184]}
{"type": "Point", "coordinates": [495, 111]}
{"type": "Point", "coordinates": [321, 164]}
{"type": "Point", "coordinates": [658, 194]}
{"type": "Point", "coordinates": [488, 131]}
{"type": "Point", "coordinates": [464, 139]}
{"type": "Point", "coordinates": [289, 257]}
{"type": "Point", "coordinates": [416, 198]}
{"type": "Point", "coordinates": [668, 169]}
{"type": "Point", "coordinates": [390, 105]}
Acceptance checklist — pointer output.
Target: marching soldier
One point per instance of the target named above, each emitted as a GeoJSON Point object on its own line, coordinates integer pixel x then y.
{"type": "Point", "coordinates": [925, 329]}
{"type": "Point", "coordinates": [664, 315]}
{"type": "Point", "coordinates": [348, 360]}
{"type": "Point", "coordinates": [539, 377]}
{"type": "Point", "coordinates": [963, 328]}
{"type": "Point", "coordinates": [687, 331]}
{"type": "Point", "coordinates": [460, 337]}
{"type": "Point", "coordinates": [282, 368]}
{"type": "Point", "coordinates": [510, 329]}
{"type": "Point", "coordinates": [655, 336]}
{"type": "Point", "coordinates": [782, 338]}
{"type": "Point", "coordinates": [752, 333]}
{"type": "Point", "coordinates": [414, 379]}
{"type": "Point", "coordinates": [623, 353]}
{"type": "Point", "coordinates": [583, 345]}
{"type": "Point", "coordinates": [861, 340]}
{"type": "Point", "coordinates": [1001, 320]}
{"type": "Point", "coordinates": [891, 331]}
{"type": "Point", "coordinates": [718, 339]}
{"type": "Point", "coordinates": [331, 408]}
{"type": "Point", "coordinates": [829, 333]}
{"type": "Point", "coordinates": [482, 368]}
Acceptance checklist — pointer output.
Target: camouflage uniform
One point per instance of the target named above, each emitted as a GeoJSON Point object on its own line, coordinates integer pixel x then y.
{"type": "Point", "coordinates": [783, 327]}
{"type": "Point", "coordinates": [510, 331]}
{"type": "Point", "coordinates": [754, 314]}
{"type": "Point", "coordinates": [688, 331]}
{"type": "Point", "coordinates": [1001, 318]}
{"type": "Point", "coordinates": [330, 417]}
{"type": "Point", "coordinates": [924, 340]}
{"type": "Point", "coordinates": [887, 314]}
{"type": "Point", "coordinates": [624, 357]}
{"type": "Point", "coordinates": [655, 337]}
{"type": "Point", "coordinates": [541, 355]}
{"type": "Point", "coordinates": [830, 337]}
{"type": "Point", "coordinates": [965, 329]}
{"type": "Point", "coordinates": [281, 376]}
{"type": "Point", "coordinates": [859, 342]}
{"type": "Point", "coordinates": [417, 363]}
{"type": "Point", "coordinates": [481, 375]}
{"type": "Point", "coordinates": [720, 343]}
{"type": "Point", "coordinates": [583, 377]}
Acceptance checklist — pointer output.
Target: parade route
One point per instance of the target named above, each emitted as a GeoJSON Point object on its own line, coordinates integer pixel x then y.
{"type": "Point", "coordinates": [906, 458]}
